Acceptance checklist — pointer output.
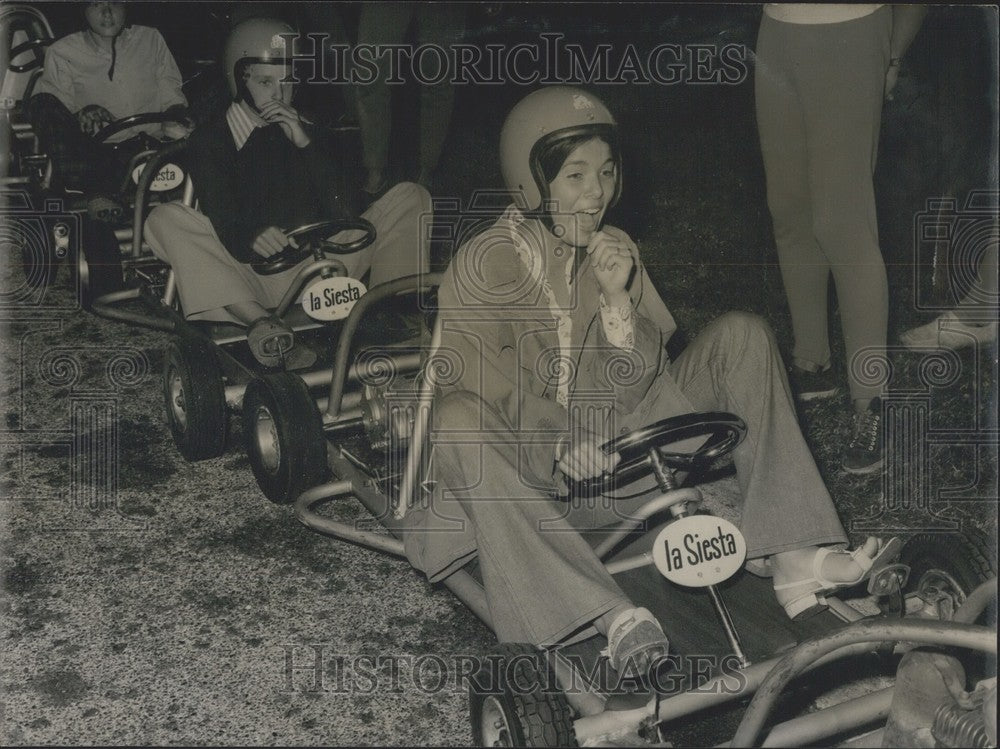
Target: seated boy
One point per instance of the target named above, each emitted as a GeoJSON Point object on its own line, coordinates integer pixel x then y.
{"type": "Point", "coordinates": [93, 77]}
{"type": "Point", "coordinates": [259, 172]}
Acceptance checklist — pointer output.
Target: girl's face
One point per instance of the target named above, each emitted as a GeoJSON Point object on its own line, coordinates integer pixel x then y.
{"type": "Point", "coordinates": [581, 192]}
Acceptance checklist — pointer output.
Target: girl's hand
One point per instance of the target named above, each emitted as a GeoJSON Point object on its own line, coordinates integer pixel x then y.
{"type": "Point", "coordinates": [612, 255]}
{"type": "Point", "coordinates": [272, 241]}
{"type": "Point", "coordinates": [585, 459]}
{"type": "Point", "coordinates": [286, 116]}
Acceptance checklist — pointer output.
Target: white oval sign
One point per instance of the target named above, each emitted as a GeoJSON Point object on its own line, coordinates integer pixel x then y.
{"type": "Point", "coordinates": [169, 177]}
{"type": "Point", "coordinates": [332, 298]}
{"type": "Point", "coordinates": [699, 550]}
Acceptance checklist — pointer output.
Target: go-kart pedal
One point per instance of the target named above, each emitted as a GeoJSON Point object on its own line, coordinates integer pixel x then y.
{"type": "Point", "coordinates": [272, 343]}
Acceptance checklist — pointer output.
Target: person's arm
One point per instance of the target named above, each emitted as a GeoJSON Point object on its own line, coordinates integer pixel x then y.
{"type": "Point", "coordinates": [170, 95]}
{"type": "Point", "coordinates": [57, 80]}
{"type": "Point", "coordinates": [906, 22]}
{"type": "Point", "coordinates": [210, 157]}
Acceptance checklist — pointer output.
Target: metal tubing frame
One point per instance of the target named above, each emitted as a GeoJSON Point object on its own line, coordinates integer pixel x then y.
{"type": "Point", "coordinates": [295, 288]}
{"type": "Point", "coordinates": [375, 294]}
{"type": "Point", "coordinates": [830, 721]}
{"type": "Point", "coordinates": [319, 377]}
{"type": "Point", "coordinates": [719, 690]}
{"type": "Point", "coordinates": [653, 506]}
{"type": "Point", "coordinates": [927, 632]}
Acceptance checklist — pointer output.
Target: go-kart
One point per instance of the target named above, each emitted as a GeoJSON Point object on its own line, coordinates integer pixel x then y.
{"type": "Point", "coordinates": [378, 453]}
{"type": "Point", "coordinates": [208, 368]}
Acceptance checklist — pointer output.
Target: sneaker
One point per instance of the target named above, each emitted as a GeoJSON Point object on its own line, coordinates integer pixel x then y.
{"type": "Point", "coordinates": [807, 386]}
{"type": "Point", "coordinates": [864, 452]}
{"type": "Point", "coordinates": [635, 642]}
{"type": "Point", "coordinates": [948, 332]}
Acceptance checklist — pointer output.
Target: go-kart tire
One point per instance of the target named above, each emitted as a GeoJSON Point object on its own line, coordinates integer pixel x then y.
{"type": "Point", "coordinates": [195, 398]}
{"type": "Point", "coordinates": [514, 701]}
{"type": "Point", "coordinates": [283, 434]}
{"type": "Point", "coordinates": [964, 560]}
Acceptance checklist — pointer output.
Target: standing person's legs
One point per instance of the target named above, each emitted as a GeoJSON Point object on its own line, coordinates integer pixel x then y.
{"type": "Point", "coordinates": [440, 24]}
{"type": "Point", "coordinates": [842, 79]}
{"type": "Point", "coordinates": [804, 267]}
{"type": "Point", "coordinates": [734, 365]}
{"type": "Point", "coordinates": [380, 23]}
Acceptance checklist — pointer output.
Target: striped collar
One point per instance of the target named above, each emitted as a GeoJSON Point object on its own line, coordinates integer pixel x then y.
{"type": "Point", "coordinates": [242, 122]}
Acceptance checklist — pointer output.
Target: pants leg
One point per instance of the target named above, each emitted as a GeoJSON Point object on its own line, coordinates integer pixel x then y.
{"type": "Point", "coordinates": [734, 365]}
{"type": "Point", "coordinates": [543, 580]}
{"type": "Point", "coordinates": [835, 75]}
{"type": "Point", "coordinates": [401, 219]}
{"type": "Point", "coordinates": [380, 23]}
{"type": "Point", "coordinates": [805, 270]}
{"type": "Point", "coordinates": [208, 277]}
{"type": "Point", "coordinates": [440, 24]}
{"type": "Point", "coordinates": [77, 160]}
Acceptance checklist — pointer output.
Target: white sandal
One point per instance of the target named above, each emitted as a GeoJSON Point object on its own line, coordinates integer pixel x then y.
{"type": "Point", "coordinates": [813, 600]}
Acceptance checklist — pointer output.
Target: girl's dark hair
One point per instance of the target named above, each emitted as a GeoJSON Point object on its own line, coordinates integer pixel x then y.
{"type": "Point", "coordinates": [552, 156]}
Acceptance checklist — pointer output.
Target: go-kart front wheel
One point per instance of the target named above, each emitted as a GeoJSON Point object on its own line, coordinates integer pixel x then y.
{"type": "Point", "coordinates": [195, 398]}
{"type": "Point", "coordinates": [946, 567]}
{"type": "Point", "coordinates": [514, 701]}
{"type": "Point", "coordinates": [283, 434]}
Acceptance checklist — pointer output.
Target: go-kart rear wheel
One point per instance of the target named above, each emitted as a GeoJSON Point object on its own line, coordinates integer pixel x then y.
{"type": "Point", "coordinates": [283, 434]}
{"type": "Point", "coordinates": [946, 567]}
{"type": "Point", "coordinates": [195, 398]}
{"type": "Point", "coordinates": [514, 701]}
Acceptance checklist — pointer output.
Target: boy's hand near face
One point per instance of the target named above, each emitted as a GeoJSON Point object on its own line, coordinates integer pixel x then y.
{"type": "Point", "coordinates": [272, 241]}
{"type": "Point", "coordinates": [612, 255]}
{"type": "Point", "coordinates": [286, 116]}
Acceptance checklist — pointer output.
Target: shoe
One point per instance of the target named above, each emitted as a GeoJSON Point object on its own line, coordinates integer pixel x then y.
{"type": "Point", "coordinates": [811, 597]}
{"type": "Point", "coordinates": [948, 332]}
{"type": "Point", "coordinates": [270, 340]}
{"type": "Point", "coordinates": [807, 386]}
{"type": "Point", "coordinates": [864, 452]}
{"type": "Point", "coordinates": [635, 642]}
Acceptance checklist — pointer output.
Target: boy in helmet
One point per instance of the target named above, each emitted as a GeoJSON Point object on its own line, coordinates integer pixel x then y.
{"type": "Point", "coordinates": [259, 172]}
{"type": "Point", "coordinates": [558, 340]}
{"type": "Point", "coordinates": [92, 77]}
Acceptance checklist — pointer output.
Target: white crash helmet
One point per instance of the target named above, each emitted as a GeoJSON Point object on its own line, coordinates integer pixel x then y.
{"type": "Point", "coordinates": [256, 40]}
{"type": "Point", "coordinates": [540, 119]}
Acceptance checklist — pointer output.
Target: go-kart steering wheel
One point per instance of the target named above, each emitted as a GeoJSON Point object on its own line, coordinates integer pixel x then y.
{"type": "Point", "coordinates": [312, 239]}
{"type": "Point", "coordinates": [35, 45]}
{"type": "Point", "coordinates": [143, 118]}
{"type": "Point", "coordinates": [724, 431]}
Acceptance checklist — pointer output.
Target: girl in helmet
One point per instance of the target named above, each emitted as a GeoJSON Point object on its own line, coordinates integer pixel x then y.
{"type": "Point", "coordinates": [260, 171]}
{"type": "Point", "coordinates": [558, 336]}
